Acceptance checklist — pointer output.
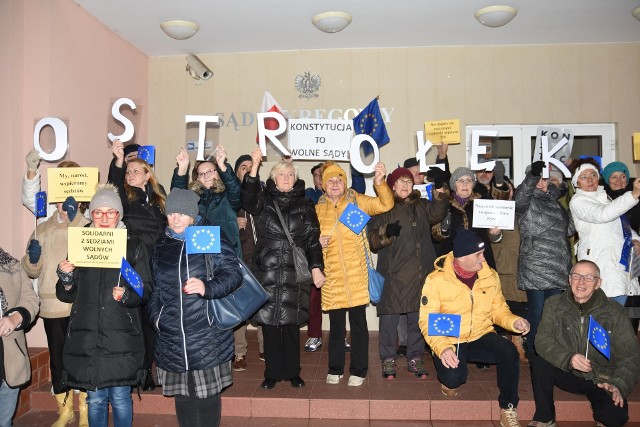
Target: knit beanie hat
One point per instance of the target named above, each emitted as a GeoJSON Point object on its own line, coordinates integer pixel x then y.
{"type": "Point", "coordinates": [614, 167]}
{"type": "Point", "coordinates": [581, 169]}
{"type": "Point", "coordinates": [183, 202]}
{"type": "Point", "coordinates": [131, 148]}
{"type": "Point", "coordinates": [106, 197]}
{"type": "Point", "coordinates": [459, 173]}
{"type": "Point", "coordinates": [396, 174]}
{"type": "Point", "coordinates": [466, 242]}
{"type": "Point", "coordinates": [241, 159]}
{"type": "Point", "coordinates": [333, 171]}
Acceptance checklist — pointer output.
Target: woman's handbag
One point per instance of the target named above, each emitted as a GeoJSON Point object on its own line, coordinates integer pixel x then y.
{"type": "Point", "coordinates": [303, 275]}
{"type": "Point", "coordinates": [376, 280]}
{"type": "Point", "coordinates": [241, 304]}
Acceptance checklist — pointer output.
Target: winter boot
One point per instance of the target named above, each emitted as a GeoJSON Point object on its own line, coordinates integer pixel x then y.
{"type": "Point", "coordinates": [65, 410]}
{"type": "Point", "coordinates": [84, 410]}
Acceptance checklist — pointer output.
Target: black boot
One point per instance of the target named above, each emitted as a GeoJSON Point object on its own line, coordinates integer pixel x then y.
{"type": "Point", "coordinates": [149, 384]}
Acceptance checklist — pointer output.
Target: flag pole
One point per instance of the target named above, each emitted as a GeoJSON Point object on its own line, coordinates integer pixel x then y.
{"type": "Point", "coordinates": [35, 230]}
{"type": "Point", "coordinates": [458, 347]}
{"type": "Point", "coordinates": [333, 228]}
{"type": "Point", "coordinates": [119, 276]}
{"type": "Point", "coordinates": [586, 353]}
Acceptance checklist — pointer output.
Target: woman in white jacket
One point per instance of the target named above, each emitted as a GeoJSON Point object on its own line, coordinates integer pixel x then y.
{"type": "Point", "coordinates": [605, 236]}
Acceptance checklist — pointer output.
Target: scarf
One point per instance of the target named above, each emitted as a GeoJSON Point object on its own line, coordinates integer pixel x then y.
{"type": "Point", "coordinates": [627, 246]}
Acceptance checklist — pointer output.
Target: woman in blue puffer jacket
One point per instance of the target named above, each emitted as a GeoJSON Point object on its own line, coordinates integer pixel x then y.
{"type": "Point", "coordinates": [192, 354]}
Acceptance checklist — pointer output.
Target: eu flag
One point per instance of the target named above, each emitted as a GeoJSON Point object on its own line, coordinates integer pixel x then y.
{"type": "Point", "coordinates": [132, 277]}
{"type": "Point", "coordinates": [599, 338]}
{"type": "Point", "coordinates": [203, 240]}
{"type": "Point", "coordinates": [444, 325]}
{"type": "Point", "coordinates": [41, 204]}
{"type": "Point", "coordinates": [354, 218]}
{"type": "Point", "coordinates": [370, 122]}
{"type": "Point", "coordinates": [147, 153]}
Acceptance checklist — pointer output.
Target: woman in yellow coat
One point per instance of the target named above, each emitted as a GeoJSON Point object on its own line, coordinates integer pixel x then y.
{"type": "Point", "coordinates": [346, 289]}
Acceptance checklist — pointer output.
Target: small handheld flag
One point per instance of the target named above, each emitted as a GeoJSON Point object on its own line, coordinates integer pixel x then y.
{"type": "Point", "coordinates": [147, 153]}
{"type": "Point", "coordinates": [599, 338]}
{"type": "Point", "coordinates": [370, 122]}
{"type": "Point", "coordinates": [132, 277]}
{"type": "Point", "coordinates": [41, 204]}
{"type": "Point", "coordinates": [354, 218]}
{"type": "Point", "coordinates": [444, 325]}
{"type": "Point", "coordinates": [203, 240]}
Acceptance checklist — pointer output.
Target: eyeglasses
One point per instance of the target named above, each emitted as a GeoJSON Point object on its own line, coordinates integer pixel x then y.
{"type": "Point", "coordinates": [465, 181]}
{"type": "Point", "coordinates": [206, 174]}
{"type": "Point", "coordinates": [589, 278]}
{"type": "Point", "coordinates": [99, 214]}
{"type": "Point", "coordinates": [405, 181]}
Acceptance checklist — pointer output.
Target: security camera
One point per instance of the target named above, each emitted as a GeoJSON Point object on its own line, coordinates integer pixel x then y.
{"type": "Point", "coordinates": [197, 69]}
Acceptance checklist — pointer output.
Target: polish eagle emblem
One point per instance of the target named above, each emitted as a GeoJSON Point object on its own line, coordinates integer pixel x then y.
{"type": "Point", "coordinates": [307, 85]}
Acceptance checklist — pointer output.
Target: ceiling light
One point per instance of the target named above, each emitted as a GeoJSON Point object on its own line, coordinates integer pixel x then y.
{"type": "Point", "coordinates": [331, 22]}
{"type": "Point", "coordinates": [179, 29]}
{"type": "Point", "coordinates": [636, 13]}
{"type": "Point", "coordinates": [496, 16]}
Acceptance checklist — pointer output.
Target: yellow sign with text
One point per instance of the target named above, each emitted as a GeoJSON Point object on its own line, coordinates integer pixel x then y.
{"type": "Point", "coordinates": [636, 146]}
{"type": "Point", "coordinates": [97, 247]}
{"type": "Point", "coordinates": [77, 182]}
{"type": "Point", "coordinates": [447, 131]}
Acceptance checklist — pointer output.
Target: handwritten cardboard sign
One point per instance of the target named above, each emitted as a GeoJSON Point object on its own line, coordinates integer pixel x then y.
{"type": "Point", "coordinates": [77, 182]}
{"type": "Point", "coordinates": [97, 247]}
{"type": "Point", "coordinates": [494, 213]}
{"type": "Point", "coordinates": [447, 131]}
{"type": "Point", "coordinates": [320, 139]}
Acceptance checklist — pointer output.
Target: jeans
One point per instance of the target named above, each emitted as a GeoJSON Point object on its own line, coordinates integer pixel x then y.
{"type": "Point", "coordinates": [490, 348]}
{"type": "Point", "coordinates": [8, 402]}
{"type": "Point", "coordinates": [121, 405]}
{"type": "Point", "coordinates": [535, 304]}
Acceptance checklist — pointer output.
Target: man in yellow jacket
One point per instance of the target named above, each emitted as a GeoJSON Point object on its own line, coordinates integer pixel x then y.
{"type": "Point", "coordinates": [462, 283]}
{"type": "Point", "coordinates": [346, 289]}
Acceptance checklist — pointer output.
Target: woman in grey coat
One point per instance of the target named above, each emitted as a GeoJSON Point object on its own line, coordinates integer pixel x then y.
{"type": "Point", "coordinates": [545, 256]}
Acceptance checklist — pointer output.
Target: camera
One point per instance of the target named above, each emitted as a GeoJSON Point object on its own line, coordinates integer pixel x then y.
{"type": "Point", "coordinates": [197, 69]}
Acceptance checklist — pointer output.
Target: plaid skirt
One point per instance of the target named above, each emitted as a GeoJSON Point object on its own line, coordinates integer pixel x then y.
{"type": "Point", "coordinates": [209, 382]}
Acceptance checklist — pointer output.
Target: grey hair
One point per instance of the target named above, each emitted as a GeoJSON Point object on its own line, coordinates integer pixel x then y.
{"type": "Point", "coordinates": [281, 166]}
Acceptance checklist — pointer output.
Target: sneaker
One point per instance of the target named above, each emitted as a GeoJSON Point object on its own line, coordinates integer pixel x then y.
{"type": "Point", "coordinates": [313, 344]}
{"type": "Point", "coordinates": [449, 392]}
{"type": "Point", "coordinates": [509, 417]}
{"type": "Point", "coordinates": [598, 424]}
{"type": "Point", "coordinates": [239, 364]}
{"type": "Point", "coordinates": [347, 346]}
{"type": "Point", "coordinates": [333, 379]}
{"type": "Point", "coordinates": [416, 367]}
{"type": "Point", "coordinates": [261, 356]}
{"type": "Point", "coordinates": [355, 381]}
{"type": "Point", "coordinates": [402, 351]}
{"type": "Point", "coordinates": [389, 369]}
{"type": "Point", "coordinates": [541, 424]}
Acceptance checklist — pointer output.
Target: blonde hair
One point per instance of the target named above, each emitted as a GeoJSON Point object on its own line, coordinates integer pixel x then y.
{"type": "Point", "coordinates": [82, 206]}
{"type": "Point", "coordinates": [159, 197]}
{"type": "Point", "coordinates": [282, 166]}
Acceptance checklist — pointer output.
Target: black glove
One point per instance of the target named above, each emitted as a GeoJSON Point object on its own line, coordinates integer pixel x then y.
{"type": "Point", "coordinates": [536, 168]}
{"type": "Point", "coordinates": [393, 229]}
{"type": "Point", "coordinates": [498, 173]}
{"type": "Point", "coordinates": [34, 250]}
{"type": "Point", "coordinates": [446, 223]}
{"type": "Point", "coordinates": [436, 175]}
{"type": "Point", "coordinates": [70, 206]}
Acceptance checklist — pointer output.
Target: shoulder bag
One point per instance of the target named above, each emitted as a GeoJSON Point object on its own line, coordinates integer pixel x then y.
{"type": "Point", "coordinates": [303, 275]}
{"type": "Point", "coordinates": [376, 280]}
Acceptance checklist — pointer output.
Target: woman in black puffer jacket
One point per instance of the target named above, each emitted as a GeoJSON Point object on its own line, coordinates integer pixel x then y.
{"type": "Point", "coordinates": [193, 356]}
{"type": "Point", "coordinates": [273, 266]}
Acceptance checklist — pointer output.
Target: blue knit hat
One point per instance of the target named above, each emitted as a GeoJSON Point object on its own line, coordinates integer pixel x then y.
{"type": "Point", "coordinates": [614, 167]}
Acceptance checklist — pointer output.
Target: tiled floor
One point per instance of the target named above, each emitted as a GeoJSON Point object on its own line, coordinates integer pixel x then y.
{"type": "Point", "coordinates": [405, 401]}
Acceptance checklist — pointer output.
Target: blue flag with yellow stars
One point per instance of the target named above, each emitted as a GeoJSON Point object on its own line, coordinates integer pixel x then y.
{"type": "Point", "coordinates": [147, 153]}
{"type": "Point", "coordinates": [41, 204]}
{"type": "Point", "coordinates": [203, 240]}
{"type": "Point", "coordinates": [599, 337]}
{"type": "Point", "coordinates": [370, 122]}
{"type": "Point", "coordinates": [354, 218]}
{"type": "Point", "coordinates": [132, 277]}
{"type": "Point", "coordinates": [444, 325]}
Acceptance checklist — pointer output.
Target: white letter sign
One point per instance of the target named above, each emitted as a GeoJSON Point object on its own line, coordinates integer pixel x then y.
{"type": "Point", "coordinates": [272, 134]}
{"type": "Point", "coordinates": [354, 153]}
{"type": "Point", "coordinates": [127, 135]}
{"type": "Point", "coordinates": [202, 120]}
{"type": "Point", "coordinates": [476, 149]}
{"type": "Point", "coordinates": [60, 133]}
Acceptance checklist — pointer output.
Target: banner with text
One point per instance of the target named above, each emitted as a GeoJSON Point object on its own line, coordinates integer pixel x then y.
{"type": "Point", "coordinates": [97, 247]}
{"type": "Point", "coordinates": [320, 139]}
{"type": "Point", "coordinates": [494, 213]}
{"type": "Point", "coordinates": [77, 182]}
